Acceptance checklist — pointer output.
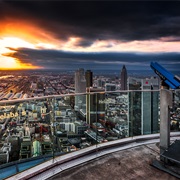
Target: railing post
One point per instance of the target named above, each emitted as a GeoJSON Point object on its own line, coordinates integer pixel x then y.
{"type": "Point", "coordinates": [165, 105]}
{"type": "Point", "coordinates": [88, 98]}
{"type": "Point", "coordinates": [53, 127]}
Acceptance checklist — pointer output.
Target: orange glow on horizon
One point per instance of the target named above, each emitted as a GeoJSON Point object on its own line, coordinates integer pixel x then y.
{"type": "Point", "coordinates": [19, 34]}
{"type": "Point", "coordinates": [8, 63]}
{"type": "Point", "coordinates": [19, 68]}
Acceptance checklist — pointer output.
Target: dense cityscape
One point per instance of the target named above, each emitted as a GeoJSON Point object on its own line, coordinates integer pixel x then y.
{"type": "Point", "coordinates": [49, 113]}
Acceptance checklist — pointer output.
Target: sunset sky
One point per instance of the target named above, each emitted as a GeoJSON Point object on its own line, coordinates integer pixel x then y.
{"type": "Point", "coordinates": [92, 35]}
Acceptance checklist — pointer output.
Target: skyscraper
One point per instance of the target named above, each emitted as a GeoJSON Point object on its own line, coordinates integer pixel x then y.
{"type": "Point", "coordinates": [89, 78]}
{"type": "Point", "coordinates": [143, 106]}
{"type": "Point", "coordinates": [90, 105]}
{"type": "Point", "coordinates": [123, 78]}
{"type": "Point", "coordinates": [149, 106]}
{"type": "Point", "coordinates": [95, 106]}
{"type": "Point", "coordinates": [80, 87]}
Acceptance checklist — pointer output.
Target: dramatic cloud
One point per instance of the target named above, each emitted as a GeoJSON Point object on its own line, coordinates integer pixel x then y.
{"type": "Point", "coordinates": [92, 34]}
{"type": "Point", "coordinates": [100, 20]}
{"type": "Point", "coordinates": [55, 59]}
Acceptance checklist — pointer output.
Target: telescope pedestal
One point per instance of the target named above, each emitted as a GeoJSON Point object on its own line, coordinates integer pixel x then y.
{"type": "Point", "coordinates": [166, 98]}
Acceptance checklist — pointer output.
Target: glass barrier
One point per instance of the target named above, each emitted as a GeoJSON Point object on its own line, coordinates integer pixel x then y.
{"type": "Point", "coordinates": [59, 124]}
{"type": "Point", "coordinates": [175, 112]}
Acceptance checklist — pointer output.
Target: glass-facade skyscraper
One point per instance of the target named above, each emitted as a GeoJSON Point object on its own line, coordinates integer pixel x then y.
{"type": "Point", "coordinates": [150, 103]}
{"type": "Point", "coordinates": [143, 106]}
{"type": "Point", "coordinates": [80, 87]}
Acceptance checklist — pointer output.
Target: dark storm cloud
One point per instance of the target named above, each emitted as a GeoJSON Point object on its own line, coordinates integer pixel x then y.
{"type": "Point", "coordinates": [110, 60]}
{"type": "Point", "coordinates": [100, 20]}
{"type": "Point", "coordinates": [84, 43]}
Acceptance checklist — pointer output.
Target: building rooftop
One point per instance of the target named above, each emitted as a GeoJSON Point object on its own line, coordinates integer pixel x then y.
{"type": "Point", "coordinates": [134, 163]}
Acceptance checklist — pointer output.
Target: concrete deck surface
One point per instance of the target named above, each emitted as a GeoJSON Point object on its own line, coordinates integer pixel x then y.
{"type": "Point", "coordinates": [131, 164]}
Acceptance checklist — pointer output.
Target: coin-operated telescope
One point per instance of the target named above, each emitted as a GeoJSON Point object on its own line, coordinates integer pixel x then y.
{"type": "Point", "coordinates": [169, 83]}
{"type": "Point", "coordinates": [167, 78]}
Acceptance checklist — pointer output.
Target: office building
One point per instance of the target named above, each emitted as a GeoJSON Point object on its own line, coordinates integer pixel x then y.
{"type": "Point", "coordinates": [123, 78]}
{"type": "Point", "coordinates": [80, 127]}
{"type": "Point", "coordinates": [143, 106]}
{"type": "Point", "coordinates": [80, 87]}
{"type": "Point", "coordinates": [100, 83]}
{"type": "Point", "coordinates": [89, 78]}
{"type": "Point", "coordinates": [95, 106]}
{"type": "Point", "coordinates": [110, 87]}
{"type": "Point", "coordinates": [134, 83]}
{"type": "Point", "coordinates": [89, 106]}
{"type": "Point", "coordinates": [149, 111]}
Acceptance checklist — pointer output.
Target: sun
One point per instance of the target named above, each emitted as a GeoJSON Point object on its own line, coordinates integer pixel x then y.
{"type": "Point", "coordinates": [10, 62]}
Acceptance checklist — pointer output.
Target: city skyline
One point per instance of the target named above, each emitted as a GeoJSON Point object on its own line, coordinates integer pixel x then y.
{"type": "Point", "coordinates": [91, 35]}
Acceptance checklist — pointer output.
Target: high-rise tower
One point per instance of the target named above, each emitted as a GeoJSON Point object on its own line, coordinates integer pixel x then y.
{"type": "Point", "coordinates": [143, 106]}
{"type": "Point", "coordinates": [95, 106]}
{"type": "Point", "coordinates": [80, 87]}
{"type": "Point", "coordinates": [89, 78]}
{"type": "Point", "coordinates": [123, 78]}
